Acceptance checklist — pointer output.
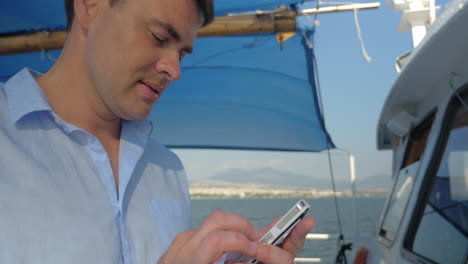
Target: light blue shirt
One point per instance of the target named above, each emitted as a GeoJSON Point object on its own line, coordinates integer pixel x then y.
{"type": "Point", "coordinates": [58, 201]}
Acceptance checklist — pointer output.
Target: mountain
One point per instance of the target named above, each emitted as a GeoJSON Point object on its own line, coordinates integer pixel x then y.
{"type": "Point", "coordinates": [376, 182]}
{"type": "Point", "coordinates": [272, 177]}
{"type": "Point", "coordinates": [283, 178]}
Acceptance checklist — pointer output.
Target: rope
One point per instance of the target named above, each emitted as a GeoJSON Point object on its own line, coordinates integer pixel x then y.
{"type": "Point", "coordinates": [43, 51]}
{"type": "Point", "coordinates": [314, 21]}
{"type": "Point", "coordinates": [40, 45]}
{"type": "Point", "coordinates": [307, 40]}
{"type": "Point", "coordinates": [356, 23]}
{"type": "Point", "coordinates": [361, 41]}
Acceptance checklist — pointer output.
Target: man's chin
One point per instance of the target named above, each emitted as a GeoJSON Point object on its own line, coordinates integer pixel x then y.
{"type": "Point", "coordinates": [140, 115]}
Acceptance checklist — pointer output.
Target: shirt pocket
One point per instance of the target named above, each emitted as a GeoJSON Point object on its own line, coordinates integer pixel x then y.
{"type": "Point", "coordinates": [171, 217]}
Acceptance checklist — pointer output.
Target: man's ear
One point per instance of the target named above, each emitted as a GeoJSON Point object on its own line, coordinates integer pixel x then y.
{"type": "Point", "coordinates": [85, 11]}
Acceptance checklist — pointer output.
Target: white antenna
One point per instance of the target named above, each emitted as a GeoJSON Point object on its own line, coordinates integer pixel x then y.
{"type": "Point", "coordinates": [417, 16]}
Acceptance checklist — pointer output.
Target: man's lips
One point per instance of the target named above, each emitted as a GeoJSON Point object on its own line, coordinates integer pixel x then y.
{"type": "Point", "coordinates": [150, 91]}
{"type": "Point", "coordinates": [153, 87]}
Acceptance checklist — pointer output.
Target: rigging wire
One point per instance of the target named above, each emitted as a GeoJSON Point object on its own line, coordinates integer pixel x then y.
{"type": "Point", "coordinates": [341, 256]}
{"type": "Point", "coordinates": [319, 95]}
{"type": "Point", "coordinates": [257, 41]}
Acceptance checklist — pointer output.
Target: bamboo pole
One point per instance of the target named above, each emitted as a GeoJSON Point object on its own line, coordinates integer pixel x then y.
{"type": "Point", "coordinates": [280, 21]}
{"type": "Point", "coordinates": [32, 42]}
{"type": "Point", "coordinates": [274, 22]}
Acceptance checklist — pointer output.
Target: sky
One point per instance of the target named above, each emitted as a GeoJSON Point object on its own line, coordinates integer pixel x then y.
{"type": "Point", "coordinates": [353, 93]}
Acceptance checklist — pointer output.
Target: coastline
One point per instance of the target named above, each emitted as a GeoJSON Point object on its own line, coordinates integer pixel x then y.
{"type": "Point", "coordinates": [198, 196]}
{"type": "Point", "coordinates": [241, 191]}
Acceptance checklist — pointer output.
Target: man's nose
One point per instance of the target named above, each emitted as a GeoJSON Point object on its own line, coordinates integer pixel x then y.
{"type": "Point", "coordinates": [169, 66]}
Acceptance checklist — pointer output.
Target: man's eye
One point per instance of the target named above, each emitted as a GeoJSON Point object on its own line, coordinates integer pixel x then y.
{"type": "Point", "coordinates": [160, 41]}
{"type": "Point", "coordinates": [181, 56]}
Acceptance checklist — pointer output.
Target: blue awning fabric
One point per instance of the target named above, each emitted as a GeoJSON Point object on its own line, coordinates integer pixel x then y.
{"type": "Point", "coordinates": [240, 92]}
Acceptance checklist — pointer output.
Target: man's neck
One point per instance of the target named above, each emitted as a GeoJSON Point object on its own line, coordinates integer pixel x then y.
{"type": "Point", "coordinates": [73, 98]}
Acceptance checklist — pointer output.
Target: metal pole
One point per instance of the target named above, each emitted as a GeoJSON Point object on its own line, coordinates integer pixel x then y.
{"type": "Point", "coordinates": [432, 10]}
{"type": "Point", "coordinates": [352, 171]}
{"type": "Point", "coordinates": [315, 236]}
{"type": "Point", "coordinates": [313, 260]}
{"type": "Point", "coordinates": [352, 175]}
{"type": "Point", "coordinates": [319, 236]}
{"type": "Point", "coordinates": [341, 8]}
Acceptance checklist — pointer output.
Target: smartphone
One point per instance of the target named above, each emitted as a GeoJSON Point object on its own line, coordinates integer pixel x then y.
{"type": "Point", "coordinates": [282, 228]}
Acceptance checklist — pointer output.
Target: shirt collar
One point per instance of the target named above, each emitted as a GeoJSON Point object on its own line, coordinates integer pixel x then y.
{"type": "Point", "coordinates": [24, 95]}
{"type": "Point", "coordinates": [141, 128]}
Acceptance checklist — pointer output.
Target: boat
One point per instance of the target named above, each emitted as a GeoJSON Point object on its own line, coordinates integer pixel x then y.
{"type": "Point", "coordinates": [254, 55]}
{"type": "Point", "coordinates": [424, 123]}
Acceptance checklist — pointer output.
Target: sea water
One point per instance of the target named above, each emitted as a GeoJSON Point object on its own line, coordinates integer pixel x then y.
{"type": "Point", "coordinates": [261, 211]}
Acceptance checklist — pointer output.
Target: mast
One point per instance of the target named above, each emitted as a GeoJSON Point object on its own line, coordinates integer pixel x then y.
{"type": "Point", "coordinates": [417, 16]}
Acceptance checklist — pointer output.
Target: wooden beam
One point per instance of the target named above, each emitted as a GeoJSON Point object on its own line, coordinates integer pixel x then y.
{"type": "Point", "coordinates": [32, 42]}
{"type": "Point", "coordinates": [282, 21]}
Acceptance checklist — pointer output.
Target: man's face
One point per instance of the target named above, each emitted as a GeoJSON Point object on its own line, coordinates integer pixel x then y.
{"type": "Point", "coordinates": [133, 51]}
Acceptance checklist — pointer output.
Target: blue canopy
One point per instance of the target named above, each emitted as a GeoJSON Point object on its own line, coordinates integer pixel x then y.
{"type": "Point", "coordinates": [239, 92]}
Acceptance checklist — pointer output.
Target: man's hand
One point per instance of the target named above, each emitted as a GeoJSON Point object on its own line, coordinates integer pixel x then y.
{"type": "Point", "coordinates": [290, 247]}
{"type": "Point", "coordinates": [225, 232]}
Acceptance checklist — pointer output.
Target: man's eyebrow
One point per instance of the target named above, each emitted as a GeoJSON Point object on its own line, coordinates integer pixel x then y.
{"type": "Point", "coordinates": [171, 30]}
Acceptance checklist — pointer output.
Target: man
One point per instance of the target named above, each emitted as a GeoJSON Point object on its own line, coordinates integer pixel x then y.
{"type": "Point", "coordinates": [81, 180]}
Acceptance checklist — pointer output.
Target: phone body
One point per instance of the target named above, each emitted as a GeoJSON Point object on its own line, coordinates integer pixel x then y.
{"type": "Point", "coordinates": [282, 228]}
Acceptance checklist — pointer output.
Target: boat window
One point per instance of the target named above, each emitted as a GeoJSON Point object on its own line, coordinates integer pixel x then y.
{"type": "Point", "coordinates": [417, 141]}
{"type": "Point", "coordinates": [404, 181]}
{"type": "Point", "coordinates": [396, 141]}
{"type": "Point", "coordinates": [442, 228]}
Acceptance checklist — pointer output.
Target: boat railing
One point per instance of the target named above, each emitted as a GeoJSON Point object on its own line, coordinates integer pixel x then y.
{"type": "Point", "coordinates": [352, 237]}
{"type": "Point", "coordinates": [324, 236]}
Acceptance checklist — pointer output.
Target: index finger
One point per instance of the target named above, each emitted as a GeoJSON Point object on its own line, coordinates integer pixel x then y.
{"type": "Point", "coordinates": [268, 227]}
{"type": "Point", "coordinates": [270, 254]}
{"type": "Point", "coordinates": [221, 220]}
{"type": "Point", "coordinates": [295, 241]}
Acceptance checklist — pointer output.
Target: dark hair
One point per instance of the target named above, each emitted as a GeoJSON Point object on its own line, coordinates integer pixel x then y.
{"type": "Point", "coordinates": [205, 8]}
